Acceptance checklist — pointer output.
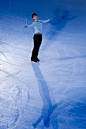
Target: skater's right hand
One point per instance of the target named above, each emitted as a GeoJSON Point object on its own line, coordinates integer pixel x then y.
{"type": "Point", "coordinates": [25, 26]}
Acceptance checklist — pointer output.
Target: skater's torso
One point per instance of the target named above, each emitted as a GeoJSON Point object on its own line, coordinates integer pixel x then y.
{"type": "Point", "coordinates": [38, 26]}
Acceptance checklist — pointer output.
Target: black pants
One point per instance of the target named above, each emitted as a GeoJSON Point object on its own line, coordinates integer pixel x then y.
{"type": "Point", "coordinates": [37, 42]}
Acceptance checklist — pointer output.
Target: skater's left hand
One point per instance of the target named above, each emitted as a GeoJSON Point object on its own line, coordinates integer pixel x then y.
{"type": "Point", "coordinates": [25, 26]}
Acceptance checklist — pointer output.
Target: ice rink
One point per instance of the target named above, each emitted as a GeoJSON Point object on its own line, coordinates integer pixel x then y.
{"type": "Point", "coordinates": [52, 93]}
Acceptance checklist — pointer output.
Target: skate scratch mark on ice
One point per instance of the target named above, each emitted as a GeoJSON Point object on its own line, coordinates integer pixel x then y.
{"type": "Point", "coordinates": [80, 69]}
{"type": "Point", "coordinates": [3, 55]}
{"type": "Point", "coordinates": [11, 75]}
{"type": "Point", "coordinates": [15, 115]}
{"type": "Point", "coordinates": [22, 66]}
{"type": "Point", "coordinates": [4, 61]}
{"type": "Point", "coordinates": [15, 73]}
{"type": "Point", "coordinates": [4, 46]}
{"type": "Point", "coordinates": [14, 110]}
{"type": "Point", "coordinates": [17, 90]}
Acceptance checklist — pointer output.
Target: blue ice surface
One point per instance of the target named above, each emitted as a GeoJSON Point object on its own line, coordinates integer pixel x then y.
{"type": "Point", "coordinates": [52, 93]}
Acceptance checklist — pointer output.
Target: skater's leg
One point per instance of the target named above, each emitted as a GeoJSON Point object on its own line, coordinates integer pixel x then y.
{"type": "Point", "coordinates": [33, 57]}
{"type": "Point", "coordinates": [39, 40]}
{"type": "Point", "coordinates": [37, 43]}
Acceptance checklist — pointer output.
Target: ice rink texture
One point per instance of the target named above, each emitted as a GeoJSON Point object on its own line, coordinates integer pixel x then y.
{"type": "Point", "coordinates": [52, 93]}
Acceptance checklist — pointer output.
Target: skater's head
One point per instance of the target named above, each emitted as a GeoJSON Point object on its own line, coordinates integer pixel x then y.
{"type": "Point", "coordinates": [34, 16]}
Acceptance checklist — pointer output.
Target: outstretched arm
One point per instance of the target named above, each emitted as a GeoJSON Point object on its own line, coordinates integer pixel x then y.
{"type": "Point", "coordinates": [29, 25]}
{"type": "Point", "coordinates": [45, 21]}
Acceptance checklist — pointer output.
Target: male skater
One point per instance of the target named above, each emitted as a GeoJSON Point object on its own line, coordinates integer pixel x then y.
{"type": "Point", "coordinates": [37, 24]}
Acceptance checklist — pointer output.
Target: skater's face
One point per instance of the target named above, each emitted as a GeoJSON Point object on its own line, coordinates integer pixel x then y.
{"type": "Point", "coordinates": [35, 17]}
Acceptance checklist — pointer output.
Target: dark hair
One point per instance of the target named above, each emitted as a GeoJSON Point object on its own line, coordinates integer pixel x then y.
{"type": "Point", "coordinates": [34, 14]}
